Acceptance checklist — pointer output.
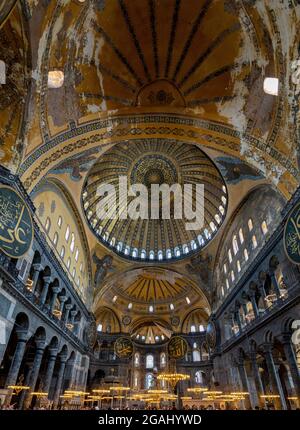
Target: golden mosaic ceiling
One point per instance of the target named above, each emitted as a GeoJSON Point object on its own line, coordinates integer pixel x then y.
{"type": "Point", "coordinates": [154, 162]}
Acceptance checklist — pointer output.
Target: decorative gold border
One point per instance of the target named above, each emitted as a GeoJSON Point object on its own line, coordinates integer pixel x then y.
{"type": "Point", "coordinates": [32, 227]}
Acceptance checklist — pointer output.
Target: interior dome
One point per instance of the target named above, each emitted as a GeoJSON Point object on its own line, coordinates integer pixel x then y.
{"type": "Point", "coordinates": [150, 162]}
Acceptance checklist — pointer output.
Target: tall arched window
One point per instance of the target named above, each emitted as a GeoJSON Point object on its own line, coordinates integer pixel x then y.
{"type": "Point", "coordinates": [193, 328]}
{"type": "Point", "coordinates": [55, 238]}
{"type": "Point", "coordinates": [99, 328]}
{"type": "Point", "coordinates": [201, 328]}
{"type": "Point", "coordinates": [196, 355]}
{"type": "Point", "coordinates": [149, 361]}
{"type": "Point", "coordinates": [69, 263]}
{"type": "Point", "coordinates": [143, 254]}
{"type": "Point", "coordinates": [76, 254]}
{"type": "Point", "coordinates": [199, 377]}
{"type": "Point", "coordinates": [246, 254]}
{"type": "Point", "coordinates": [254, 241]}
{"type": "Point", "coordinates": [136, 359]}
{"type": "Point", "coordinates": [232, 276]}
{"type": "Point", "coordinates": [151, 255]}
{"type": "Point", "coordinates": [62, 252]}
{"type": "Point", "coordinates": [238, 265]}
{"type": "Point", "coordinates": [67, 234]}
{"type": "Point", "coordinates": [229, 256]}
{"type": "Point", "coordinates": [149, 381]}
{"type": "Point", "coordinates": [47, 225]}
{"type": "Point", "coordinates": [160, 255]}
{"type": "Point", "coordinates": [264, 227]}
{"type": "Point", "coordinates": [72, 245]}
{"type": "Point", "coordinates": [163, 360]}
{"type": "Point", "coordinates": [235, 244]}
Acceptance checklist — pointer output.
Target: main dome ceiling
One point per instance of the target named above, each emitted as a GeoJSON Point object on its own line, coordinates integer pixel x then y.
{"type": "Point", "coordinates": [150, 162]}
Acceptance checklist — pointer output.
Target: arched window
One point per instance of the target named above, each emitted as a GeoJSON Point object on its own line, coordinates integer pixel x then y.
{"type": "Point", "coordinates": [119, 246]}
{"type": "Point", "coordinates": [129, 305]}
{"type": "Point", "coordinates": [246, 254]}
{"type": "Point", "coordinates": [59, 221]}
{"type": "Point", "coordinates": [196, 355]}
{"type": "Point", "coordinates": [151, 255]}
{"type": "Point", "coordinates": [222, 291]}
{"type": "Point", "coordinates": [250, 224]}
{"type": "Point", "coordinates": [193, 244]}
{"type": "Point", "coordinates": [235, 244]}
{"type": "Point", "coordinates": [207, 233]}
{"type": "Point", "coordinates": [136, 359]}
{"type": "Point", "coordinates": [171, 307]}
{"type": "Point", "coordinates": [134, 253]}
{"type": "Point", "coordinates": [169, 253]}
{"type": "Point", "coordinates": [193, 328]}
{"type": "Point", "coordinates": [149, 361]}
{"type": "Point", "coordinates": [227, 284]}
{"type": "Point", "coordinates": [149, 381]}
{"type": "Point", "coordinates": [47, 225]}
{"type": "Point", "coordinates": [229, 256]}
{"type": "Point", "coordinates": [238, 265]}
{"type": "Point", "coordinates": [185, 249]}
{"type": "Point", "coordinates": [160, 255]}
{"type": "Point", "coordinates": [62, 252]}
{"type": "Point", "coordinates": [69, 263]}
{"type": "Point", "coordinates": [177, 252]}
{"type": "Point", "coordinates": [201, 328]}
{"type": "Point", "coordinates": [163, 360]}
{"type": "Point", "coordinates": [199, 377]}
{"type": "Point", "coordinates": [221, 209]}
{"type": "Point", "coordinates": [127, 250]}
{"type": "Point", "coordinates": [2, 73]}
{"type": "Point", "coordinates": [200, 240]}
{"type": "Point", "coordinates": [55, 238]}
{"type": "Point", "coordinates": [76, 254]}
{"type": "Point", "coordinates": [217, 218]}
{"type": "Point", "coordinates": [151, 309]}
{"type": "Point", "coordinates": [143, 254]}
{"type": "Point", "coordinates": [72, 245]}
{"type": "Point", "coordinates": [74, 272]}
{"type": "Point", "coordinates": [225, 268]}
{"type": "Point", "coordinates": [99, 328]}
{"type": "Point", "coordinates": [213, 226]}
{"type": "Point", "coordinates": [241, 235]}
{"type": "Point", "coordinates": [187, 300]}
{"type": "Point", "coordinates": [254, 241]}
{"type": "Point", "coordinates": [67, 234]}
{"type": "Point", "coordinates": [224, 200]}
{"type": "Point", "coordinates": [264, 227]}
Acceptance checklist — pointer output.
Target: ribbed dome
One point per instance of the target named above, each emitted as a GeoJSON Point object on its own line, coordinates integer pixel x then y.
{"type": "Point", "coordinates": [147, 162]}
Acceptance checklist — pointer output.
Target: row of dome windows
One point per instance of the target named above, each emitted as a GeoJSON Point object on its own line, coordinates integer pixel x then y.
{"type": "Point", "coordinates": [151, 307]}
{"type": "Point", "coordinates": [235, 246]}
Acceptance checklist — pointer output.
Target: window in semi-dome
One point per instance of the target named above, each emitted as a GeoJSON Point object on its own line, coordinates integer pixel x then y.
{"type": "Point", "coordinates": [76, 254]}
{"type": "Point", "coordinates": [238, 264]}
{"type": "Point", "coordinates": [254, 241]}
{"type": "Point", "coordinates": [62, 252]}
{"type": "Point", "coordinates": [235, 244]}
{"type": "Point", "coordinates": [250, 224]}
{"type": "Point", "coordinates": [55, 238]}
{"type": "Point", "coordinates": [67, 234]}
{"type": "Point", "coordinates": [193, 328]}
{"type": "Point", "coordinates": [246, 254]}
{"type": "Point", "coordinates": [229, 256]}
{"type": "Point", "coordinates": [47, 225]}
{"type": "Point", "coordinates": [72, 245]}
{"type": "Point", "coordinates": [59, 221]}
{"type": "Point", "coordinates": [232, 276]}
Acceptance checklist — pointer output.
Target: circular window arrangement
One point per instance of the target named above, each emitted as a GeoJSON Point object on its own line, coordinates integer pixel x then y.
{"type": "Point", "coordinates": [154, 199]}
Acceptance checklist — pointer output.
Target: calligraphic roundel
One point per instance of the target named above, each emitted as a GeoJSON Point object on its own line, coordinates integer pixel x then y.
{"type": "Point", "coordinates": [292, 235]}
{"type": "Point", "coordinates": [177, 347]}
{"type": "Point", "coordinates": [16, 228]}
{"type": "Point", "coordinates": [123, 347]}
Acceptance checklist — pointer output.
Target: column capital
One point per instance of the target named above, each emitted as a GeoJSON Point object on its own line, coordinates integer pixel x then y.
{"type": "Point", "coordinates": [285, 338]}
{"type": "Point", "coordinates": [63, 299]}
{"type": "Point", "coordinates": [56, 290]}
{"type": "Point", "coordinates": [47, 279]}
{"type": "Point", "coordinates": [267, 347]}
{"type": "Point", "coordinates": [53, 353]}
{"type": "Point", "coordinates": [40, 344]}
{"type": "Point", "coordinates": [73, 312]}
{"type": "Point", "coordinates": [22, 335]}
{"type": "Point", "coordinates": [63, 358]}
{"type": "Point", "coordinates": [69, 306]}
{"type": "Point", "coordinates": [37, 267]}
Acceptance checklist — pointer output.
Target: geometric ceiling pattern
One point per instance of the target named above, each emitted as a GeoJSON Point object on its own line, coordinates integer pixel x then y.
{"type": "Point", "coordinates": [148, 163]}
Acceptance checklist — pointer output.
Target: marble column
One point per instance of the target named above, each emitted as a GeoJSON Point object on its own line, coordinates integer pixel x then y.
{"type": "Point", "coordinates": [58, 388]}
{"type": "Point", "coordinates": [262, 291]}
{"type": "Point", "coordinates": [40, 347]}
{"type": "Point", "coordinates": [257, 379]}
{"type": "Point", "coordinates": [254, 304]}
{"type": "Point", "coordinates": [37, 268]}
{"type": "Point", "coordinates": [244, 381]}
{"type": "Point", "coordinates": [65, 316]}
{"type": "Point", "coordinates": [55, 292]}
{"type": "Point", "coordinates": [72, 317]}
{"type": "Point", "coordinates": [26, 382]}
{"type": "Point", "coordinates": [292, 361]}
{"type": "Point", "coordinates": [275, 284]}
{"type": "Point", "coordinates": [62, 300]}
{"type": "Point", "coordinates": [274, 377]}
{"type": "Point", "coordinates": [238, 320]}
{"type": "Point", "coordinates": [47, 281]}
{"type": "Point", "coordinates": [49, 372]}
{"type": "Point", "coordinates": [16, 362]}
